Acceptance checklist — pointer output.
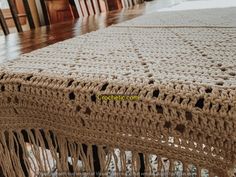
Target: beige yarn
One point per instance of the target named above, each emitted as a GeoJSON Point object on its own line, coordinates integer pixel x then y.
{"type": "Point", "coordinates": [191, 18]}
{"type": "Point", "coordinates": [186, 82]}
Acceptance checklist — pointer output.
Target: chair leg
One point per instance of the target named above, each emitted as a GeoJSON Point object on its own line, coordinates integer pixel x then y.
{"type": "Point", "coordinates": [142, 165]}
{"type": "Point", "coordinates": [15, 15]}
{"type": "Point", "coordinates": [96, 163]}
{"type": "Point", "coordinates": [3, 23]}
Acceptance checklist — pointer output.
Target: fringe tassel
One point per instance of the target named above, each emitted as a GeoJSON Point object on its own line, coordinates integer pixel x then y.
{"type": "Point", "coordinates": [136, 164]}
{"type": "Point", "coordinates": [160, 166]}
{"type": "Point", "coordinates": [185, 169]}
{"type": "Point", "coordinates": [199, 172]}
{"type": "Point", "coordinates": [171, 168]}
{"type": "Point", "coordinates": [43, 153]}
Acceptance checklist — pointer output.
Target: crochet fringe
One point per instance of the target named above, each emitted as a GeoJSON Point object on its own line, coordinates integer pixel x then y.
{"type": "Point", "coordinates": [42, 153]}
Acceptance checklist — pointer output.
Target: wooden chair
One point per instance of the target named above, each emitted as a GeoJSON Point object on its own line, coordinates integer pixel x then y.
{"type": "Point", "coordinates": [78, 9]}
{"type": "Point", "coordinates": [16, 17]}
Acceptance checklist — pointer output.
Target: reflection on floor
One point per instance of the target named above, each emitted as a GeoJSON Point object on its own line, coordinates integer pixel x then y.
{"type": "Point", "coordinates": [14, 30]}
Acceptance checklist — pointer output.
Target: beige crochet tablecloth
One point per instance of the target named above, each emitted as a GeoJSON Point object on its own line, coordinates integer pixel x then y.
{"type": "Point", "coordinates": [163, 85]}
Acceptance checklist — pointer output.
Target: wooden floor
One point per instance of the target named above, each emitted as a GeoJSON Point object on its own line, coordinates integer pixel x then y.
{"type": "Point", "coordinates": [13, 45]}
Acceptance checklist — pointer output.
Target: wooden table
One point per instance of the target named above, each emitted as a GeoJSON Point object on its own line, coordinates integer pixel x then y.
{"type": "Point", "coordinates": [13, 45]}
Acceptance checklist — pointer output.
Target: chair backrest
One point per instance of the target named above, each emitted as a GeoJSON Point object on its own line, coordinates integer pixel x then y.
{"type": "Point", "coordinates": [15, 16]}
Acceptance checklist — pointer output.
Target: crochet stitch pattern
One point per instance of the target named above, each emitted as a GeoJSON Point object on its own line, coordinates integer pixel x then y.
{"type": "Point", "coordinates": [184, 77]}
{"type": "Point", "coordinates": [192, 18]}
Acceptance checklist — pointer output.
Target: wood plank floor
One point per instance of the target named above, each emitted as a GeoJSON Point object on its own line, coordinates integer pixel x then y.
{"type": "Point", "coordinates": [13, 45]}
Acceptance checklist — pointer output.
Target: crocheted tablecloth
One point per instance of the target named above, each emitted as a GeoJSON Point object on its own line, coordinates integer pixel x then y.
{"type": "Point", "coordinates": [162, 87]}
